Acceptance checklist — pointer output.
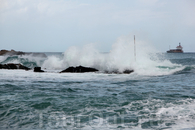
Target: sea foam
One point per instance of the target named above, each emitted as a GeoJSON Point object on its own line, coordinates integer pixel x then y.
{"type": "Point", "coordinates": [122, 56]}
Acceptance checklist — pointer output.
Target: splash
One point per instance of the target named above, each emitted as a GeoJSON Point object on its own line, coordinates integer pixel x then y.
{"type": "Point", "coordinates": [120, 58]}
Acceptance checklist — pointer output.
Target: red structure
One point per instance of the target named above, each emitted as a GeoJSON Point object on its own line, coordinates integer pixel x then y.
{"type": "Point", "coordinates": [177, 50]}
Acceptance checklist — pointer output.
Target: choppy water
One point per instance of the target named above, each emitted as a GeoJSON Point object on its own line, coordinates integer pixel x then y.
{"type": "Point", "coordinates": [160, 94]}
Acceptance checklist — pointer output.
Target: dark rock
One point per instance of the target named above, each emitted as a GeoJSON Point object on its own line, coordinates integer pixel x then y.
{"type": "Point", "coordinates": [128, 71]}
{"type": "Point", "coordinates": [23, 67]}
{"type": "Point", "coordinates": [13, 66]}
{"type": "Point", "coordinates": [79, 69]}
{"type": "Point", "coordinates": [70, 69]}
{"type": "Point", "coordinates": [3, 66]}
{"type": "Point", "coordinates": [38, 69]}
{"type": "Point", "coordinates": [3, 52]}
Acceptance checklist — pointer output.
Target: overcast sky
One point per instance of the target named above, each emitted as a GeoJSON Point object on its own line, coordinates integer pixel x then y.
{"type": "Point", "coordinates": [55, 25]}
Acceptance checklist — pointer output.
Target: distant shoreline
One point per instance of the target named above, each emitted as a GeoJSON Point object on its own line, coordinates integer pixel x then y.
{"type": "Point", "coordinates": [13, 52]}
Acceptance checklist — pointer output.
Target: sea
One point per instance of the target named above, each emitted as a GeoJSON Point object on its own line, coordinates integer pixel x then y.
{"type": "Point", "coordinates": [158, 95]}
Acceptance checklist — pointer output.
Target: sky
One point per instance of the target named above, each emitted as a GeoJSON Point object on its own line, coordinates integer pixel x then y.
{"type": "Point", "coordinates": [56, 25]}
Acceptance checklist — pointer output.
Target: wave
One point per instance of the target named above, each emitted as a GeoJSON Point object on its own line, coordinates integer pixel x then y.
{"type": "Point", "coordinates": [26, 60]}
{"type": "Point", "coordinates": [184, 61]}
{"type": "Point", "coordinates": [121, 57]}
{"type": "Point", "coordinates": [186, 69]}
{"type": "Point", "coordinates": [144, 114]}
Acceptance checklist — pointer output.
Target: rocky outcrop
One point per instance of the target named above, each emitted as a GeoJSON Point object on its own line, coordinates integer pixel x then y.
{"type": "Point", "coordinates": [38, 69]}
{"type": "Point", "coordinates": [13, 52]}
{"type": "Point", "coordinates": [13, 66]}
{"type": "Point", "coordinates": [79, 69]}
{"type": "Point", "coordinates": [128, 71]}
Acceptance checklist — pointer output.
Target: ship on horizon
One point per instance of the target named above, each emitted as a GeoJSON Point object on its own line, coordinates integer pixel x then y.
{"type": "Point", "coordinates": [177, 50]}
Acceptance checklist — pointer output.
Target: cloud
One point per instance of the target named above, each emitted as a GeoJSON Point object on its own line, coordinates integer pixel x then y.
{"type": "Point", "coordinates": [88, 13]}
{"type": "Point", "coordinates": [101, 12]}
{"type": "Point", "coordinates": [86, 21]}
{"type": "Point", "coordinates": [18, 9]}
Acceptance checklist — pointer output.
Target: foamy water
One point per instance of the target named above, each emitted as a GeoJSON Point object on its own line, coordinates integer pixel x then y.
{"type": "Point", "coordinates": [120, 58]}
{"type": "Point", "coordinates": [159, 94]}
{"type": "Point", "coordinates": [95, 101]}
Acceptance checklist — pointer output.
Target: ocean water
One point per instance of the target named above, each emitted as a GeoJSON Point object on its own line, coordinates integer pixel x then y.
{"type": "Point", "coordinates": [160, 94]}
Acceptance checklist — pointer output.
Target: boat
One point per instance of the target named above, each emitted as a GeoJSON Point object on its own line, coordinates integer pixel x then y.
{"type": "Point", "coordinates": [177, 50]}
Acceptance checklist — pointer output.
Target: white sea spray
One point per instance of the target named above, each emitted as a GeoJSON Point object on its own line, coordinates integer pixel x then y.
{"type": "Point", "coordinates": [121, 57]}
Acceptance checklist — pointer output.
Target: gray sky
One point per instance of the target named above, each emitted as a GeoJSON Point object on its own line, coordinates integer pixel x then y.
{"type": "Point", "coordinates": [55, 25]}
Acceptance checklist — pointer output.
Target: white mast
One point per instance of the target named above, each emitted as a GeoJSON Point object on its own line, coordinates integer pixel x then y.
{"type": "Point", "coordinates": [134, 49]}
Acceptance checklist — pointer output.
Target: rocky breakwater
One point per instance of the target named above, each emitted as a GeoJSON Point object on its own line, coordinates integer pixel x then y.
{"type": "Point", "coordinates": [79, 69]}
{"type": "Point", "coordinates": [13, 52]}
{"type": "Point", "coordinates": [13, 66]}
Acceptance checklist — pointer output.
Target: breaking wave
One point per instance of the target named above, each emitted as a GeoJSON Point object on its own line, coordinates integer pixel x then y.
{"type": "Point", "coordinates": [121, 57]}
{"type": "Point", "coordinates": [26, 60]}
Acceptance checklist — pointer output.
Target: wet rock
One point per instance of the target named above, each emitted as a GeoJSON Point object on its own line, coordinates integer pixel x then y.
{"type": "Point", "coordinates": [13, 66]}
{"type": "Point", "coordinates": [128, 71]}
{"type": "Point", "coordinates": [79, 69]}
{"type": "Point", "coordinates": [38, 69]}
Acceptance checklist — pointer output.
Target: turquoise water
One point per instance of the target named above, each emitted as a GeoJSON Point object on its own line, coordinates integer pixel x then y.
{"type": "Point", "coordinates": [158, 95]}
